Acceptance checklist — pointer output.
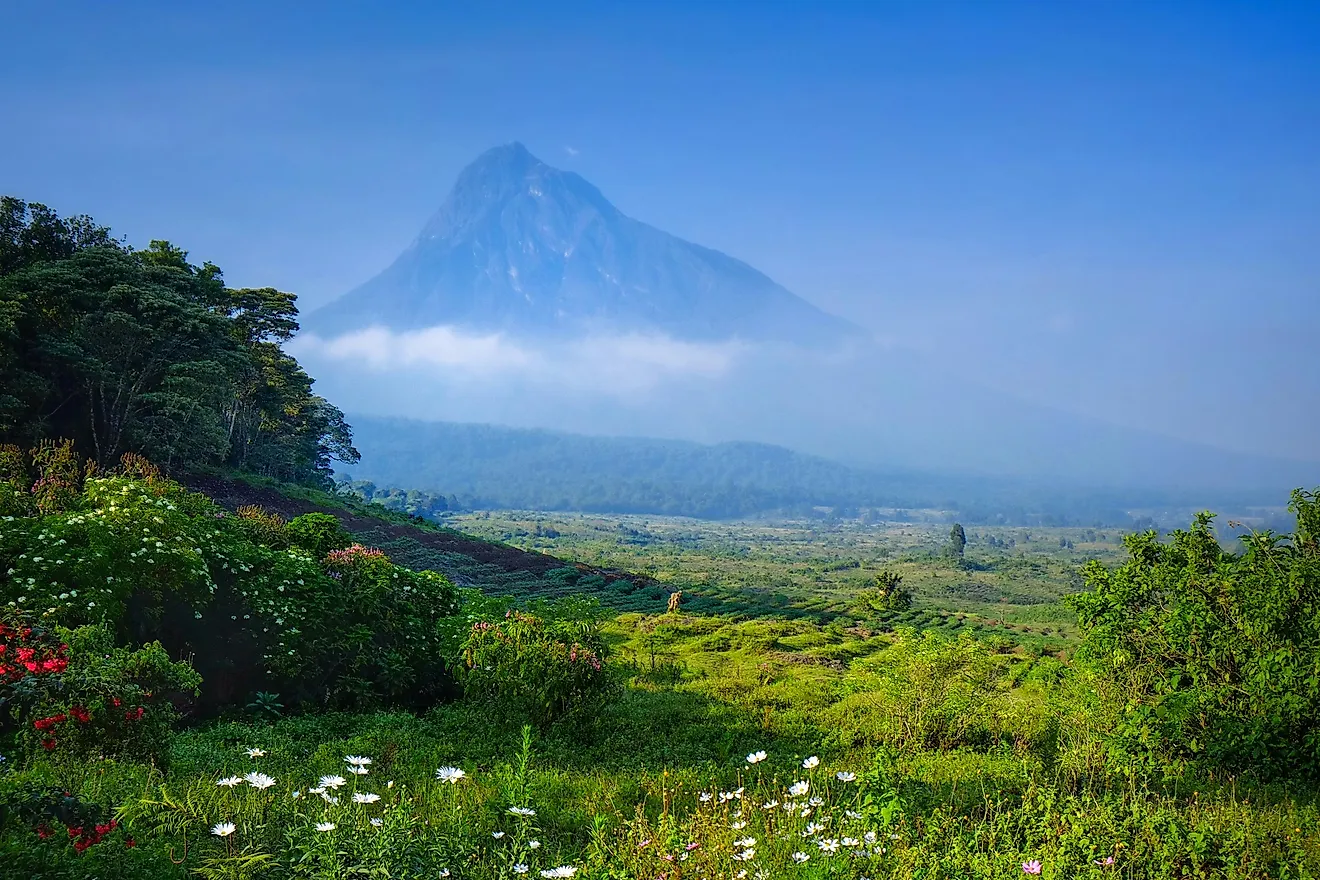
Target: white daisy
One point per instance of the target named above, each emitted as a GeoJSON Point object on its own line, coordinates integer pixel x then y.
{"type": "Point", "coordinates": [230, 781]}
{"type": "Point", "coordinates": [800, 857]}
{"type": "Point", "coordinates": [365, 797]}
{"type": "Point", "coordinates": [520, 868]}
{"type": "Point", "coordinates": [325, 826]}
{"type": "Point", "coordinates": [522, 811]}
{"type": "Point", "coordinates": [259, 781]}
{"type": "Point", "coordinates": [756, 757]}
{"type": "Point", "coordinates": [811, 763]}
{"type": "Point", "coordinates": [330, 782]}
{"type": "Point", "coordinates": [256, 753]}
{"type": "Point", "coordinates": [798, 789]}
{"type": "Point", "coordinates": [561, 873]}
{"type": "Point", "coordinates": [449, 774]}
{"type": "Point", "coordinates": [845, 776]}
{"type": "Point", "coordinates": [356, 761]}
{"type": "Point", "coordinates": [223, 829]}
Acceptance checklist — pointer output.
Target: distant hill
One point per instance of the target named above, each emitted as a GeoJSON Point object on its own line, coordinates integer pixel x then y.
{"type": "Point", "coordinates": [522, 247]}
{"type": "Point", "coordinates": [488, 466]}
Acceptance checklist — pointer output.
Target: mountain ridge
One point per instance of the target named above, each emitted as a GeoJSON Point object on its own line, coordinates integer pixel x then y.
{"type": "Point", "coordinates": [524, 248]}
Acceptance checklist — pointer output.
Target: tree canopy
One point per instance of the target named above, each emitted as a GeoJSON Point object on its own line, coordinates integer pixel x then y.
{"type": "Point", "coordinates": [123, 350]}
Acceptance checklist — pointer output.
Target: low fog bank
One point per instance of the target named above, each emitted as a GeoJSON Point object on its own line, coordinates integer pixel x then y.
{"type": "Point", "coordinates": [871, 406]}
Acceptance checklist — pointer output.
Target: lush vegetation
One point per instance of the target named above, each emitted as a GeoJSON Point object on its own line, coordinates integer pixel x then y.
{"type": "Point", "coordinates": [887, 752]}
{"type": "Point", "coordinates": [123, 350]}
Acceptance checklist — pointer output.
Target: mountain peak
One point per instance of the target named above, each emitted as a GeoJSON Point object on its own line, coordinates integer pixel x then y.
{"type": "Point", "coordinates": [519, 246]}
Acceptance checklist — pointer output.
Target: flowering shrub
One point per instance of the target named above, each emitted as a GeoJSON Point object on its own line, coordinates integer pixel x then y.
{"type": "Point", "coordinates": [153, 562]}
{"type": "Point", "coordinates": [60, 818]}
{"type": "Point", "coordinates": [75, 694]}
{"type": "Point", "coordinates": [528, 667]}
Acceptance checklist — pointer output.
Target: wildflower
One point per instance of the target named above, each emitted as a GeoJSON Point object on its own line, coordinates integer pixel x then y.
{"type": "Point", "coordinates": [813, 828]}
{"type": "Point", "coordinates": [522, 811]}
{"type": "Point", "coordinates": [845, 776]}
{"type": "Point", "coordinates": [691, 846]}
{"type": "Point", "coordinates": [365, 797]}
{"type": "Point", "coordinates": [756, 757]}
{"type": "Point", "coordinates": [738, 826]}
{"type": "Point", "coordinates": [256, 753]}
{"type": "Point", "coordinates": [444, 872]}
{"type": "Point", "coordinates": [230, 781]}
{"type": "Point", "coordinates": [745, 843]}
{"type": "Point", "coordinates": [376, 821]}
{"type": "Point", "coordinates": [533, 844]}
{"type": "Point", "coordinates": [259, 781]}
{"type": "Point", "coordinates": [800, 857]}
{"type": "Point", "coordinates": [449, 774]}
{"type": "Point", "coordinates": [828, 846]}
{"type": "Point", "coordinates": [851, 842]}
{"type": "Point", "coordinates": [358, 771]}
{"type": "Point", "coordinates": [869, 837]}
{"type": "Point", "coordinates": [1106, 862]}
{"type": "Point", "coordinates": [1031, 867]}
{"type": "Point", "coordinates": [798, 789]}
{"type": "Point", "coordinates": [520, 868]}
{"type": "Point", "coordinates": [497, 834]}
{"type": "Point", "coordinates": [296, 794]}
{"type": "Point", "coordinates": [811, 763]}
{"type": "Point", "coordinates": [561, 873]}
{"type": "Point", "coordinates": [746, 855]}
{"type": "Point", "coordinates": [223, 829]}
{"type": "Point", "coordinates": [325, 826]}
{"type": "Point", "coordinates": [705, 797]}
{"type": "Point", "coordinates": [356, 761]}
{"type": "Point", "coordinates": [770, 805]}
{"type": "Point", "coordinates": [816, 802]}
{"type": "Point", "coordinates": [330, 781]}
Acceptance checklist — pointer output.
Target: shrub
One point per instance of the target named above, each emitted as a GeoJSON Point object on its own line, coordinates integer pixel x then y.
{"type": "Point", "coordinates": [1216, 655]}
{"type": "Point", "coordinates": [318, 533]}
{"type": "Point", "coordinates": [154, 562]}
{"type": "Point", "coordinates": [527, 668]}
{"type": "Point", "coordinates": [75, 694]}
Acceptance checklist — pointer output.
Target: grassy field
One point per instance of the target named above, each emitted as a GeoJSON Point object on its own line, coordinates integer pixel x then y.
{"type": "Point", "coordinates": [1009, 583]}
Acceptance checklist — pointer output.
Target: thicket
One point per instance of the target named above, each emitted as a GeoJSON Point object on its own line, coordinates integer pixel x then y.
{"type": "Point", "coordinates": [255, 602]}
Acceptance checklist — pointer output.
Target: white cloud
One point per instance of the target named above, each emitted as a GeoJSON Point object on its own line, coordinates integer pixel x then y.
{"type": "Point", "coordinates": [571, 151]}
{"type": "Point", "coordinates": [618, 364]}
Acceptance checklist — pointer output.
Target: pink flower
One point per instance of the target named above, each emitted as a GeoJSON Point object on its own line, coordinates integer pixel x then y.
{"type": "Point", "coordinates": [1031, 867]}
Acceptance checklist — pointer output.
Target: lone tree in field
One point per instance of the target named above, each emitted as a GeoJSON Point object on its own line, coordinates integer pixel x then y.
{"type": "Point", "coordinates": [957, 541]}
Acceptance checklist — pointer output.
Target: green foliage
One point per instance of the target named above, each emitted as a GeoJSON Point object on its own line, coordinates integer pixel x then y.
{"type": "Point", "coordinates": [154, 562]}
{"type": "Point", "coordinates": [142, 351]}
{"type": "Point", "coordinates": [527, 667]}
{"type": "Point", "coordinates": [1216, 654]}
{"type": "Point", "coordinates": [80, 696]}
{"type": "Point", "coordinates": [887, 595]}
{"type": "Point", "coordinates": [957, 542]}
{"type": "Point", "coordinates": [318, 533]}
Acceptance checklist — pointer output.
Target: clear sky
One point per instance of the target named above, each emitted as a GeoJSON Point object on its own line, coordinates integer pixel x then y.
{"type": "Point", "coordinates": [1109, 207]}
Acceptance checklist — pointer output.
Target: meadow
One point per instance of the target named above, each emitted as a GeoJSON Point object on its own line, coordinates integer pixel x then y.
{"type": "Point", "coordinates": [289, 702]}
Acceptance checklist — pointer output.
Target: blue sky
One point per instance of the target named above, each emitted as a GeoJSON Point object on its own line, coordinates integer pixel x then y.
{"type": "Point", "coordinates": [1111, 208]}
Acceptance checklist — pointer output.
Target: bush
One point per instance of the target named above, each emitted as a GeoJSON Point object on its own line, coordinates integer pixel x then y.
{"type": "Point", "coordinates": [318, 533]}
{"type": "Point", "coordinates": [151, 561]}
{"type": "Point", "coordinates": [74, 694]}
{"type": "Point", "coordinates": [1216, 655]}
{"type": "Point", "coordinates": [527, 668]}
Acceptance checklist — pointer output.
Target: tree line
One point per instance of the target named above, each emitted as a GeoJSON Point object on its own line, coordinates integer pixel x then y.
{"type": "Point", "coordinates": [133, 350]}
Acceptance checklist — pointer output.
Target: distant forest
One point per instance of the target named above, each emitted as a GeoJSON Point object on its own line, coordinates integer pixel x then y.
{"type": "Point", "coordinates": [427, 468]}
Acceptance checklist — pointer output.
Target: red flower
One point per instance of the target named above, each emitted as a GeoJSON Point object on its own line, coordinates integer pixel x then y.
{"type": "Point", "coordinates": [25, 653]}
{"type": "Point", "coordinates": [103, 829]}
{"type": "Point", "coordinates": [48, 744]}
{"type": "Point", "coordinates": [80, 714]}
{"type": "Point", "coordinates": [74, 832]}
{"type": "Point", "coordinates": [80, 845]}
{"type": "Point", "coordinates": [116, 702]}
{"type": "Point", "coordinates": [43, 831]}
{"type": "Point", "coordinates": [130, 842]}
